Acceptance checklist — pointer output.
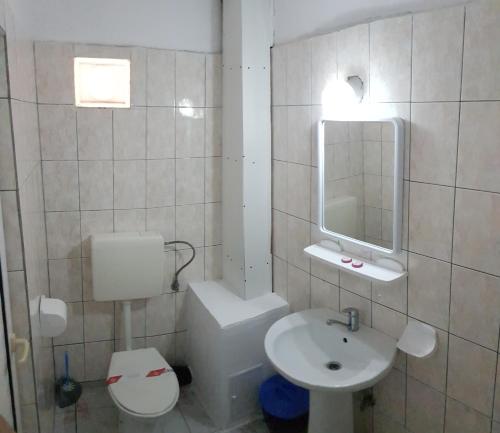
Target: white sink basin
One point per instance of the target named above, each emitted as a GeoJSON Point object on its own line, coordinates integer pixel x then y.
{"type": "Point", "coordinates": [329, 360]}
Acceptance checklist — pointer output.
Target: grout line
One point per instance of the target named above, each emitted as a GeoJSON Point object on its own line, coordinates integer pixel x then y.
{"type": "Point", "coordinates": [453, 216]}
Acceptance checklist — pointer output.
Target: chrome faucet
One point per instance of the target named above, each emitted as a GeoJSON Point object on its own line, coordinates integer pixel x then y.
{"type": "Point", "coordinates": [352, 319]}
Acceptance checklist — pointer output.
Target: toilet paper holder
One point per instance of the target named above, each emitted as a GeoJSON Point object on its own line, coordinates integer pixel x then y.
{"type": "Point", "coordinates": [53, 315]}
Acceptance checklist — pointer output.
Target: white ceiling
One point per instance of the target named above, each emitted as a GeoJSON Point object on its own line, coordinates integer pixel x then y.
{"type": "Point", "coordinates": [193, 25]}
{"type": "Point", "coordinates": [294, 19]}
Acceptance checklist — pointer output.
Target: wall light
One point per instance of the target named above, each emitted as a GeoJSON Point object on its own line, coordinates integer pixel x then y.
{"type": "Point", "coordinates": [340, 98]}
{"type": "Point", "coordinates": [102, 82]}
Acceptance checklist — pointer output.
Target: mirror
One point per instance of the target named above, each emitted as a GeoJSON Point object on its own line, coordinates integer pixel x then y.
{"type": "Point", "coordinates": [360, 182]}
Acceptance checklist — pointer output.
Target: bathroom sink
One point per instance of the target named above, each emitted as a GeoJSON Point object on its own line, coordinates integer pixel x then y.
{"type": "Point", "coordinates": [329, 360]}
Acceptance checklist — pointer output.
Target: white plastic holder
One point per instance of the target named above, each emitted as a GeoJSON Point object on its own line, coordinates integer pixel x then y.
{"type": "Point", "coordinates": [383, 270]}
{"type": "Point", "coordinates": [53, 316]}
{"type": "Point", "coordinates": [418, 340]}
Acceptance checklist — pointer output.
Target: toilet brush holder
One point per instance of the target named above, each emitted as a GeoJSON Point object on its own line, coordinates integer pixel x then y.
{"type": "Point", "coordinates": [68, 391]}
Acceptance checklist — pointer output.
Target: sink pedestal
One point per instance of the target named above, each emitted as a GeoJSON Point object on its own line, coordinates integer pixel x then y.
{"type": "Point", "coordinates": [330, 412]}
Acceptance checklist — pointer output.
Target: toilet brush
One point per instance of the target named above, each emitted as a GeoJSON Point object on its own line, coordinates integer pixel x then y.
{"type": "Point", "coordinates": [68, 391]}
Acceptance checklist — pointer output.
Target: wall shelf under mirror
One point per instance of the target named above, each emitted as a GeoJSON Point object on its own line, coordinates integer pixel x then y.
{"type": "Point", "coordinates": [383, 270]}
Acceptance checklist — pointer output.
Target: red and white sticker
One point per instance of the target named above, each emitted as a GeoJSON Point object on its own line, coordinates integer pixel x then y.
{"type": "Point", "coordinates": [138, 375]}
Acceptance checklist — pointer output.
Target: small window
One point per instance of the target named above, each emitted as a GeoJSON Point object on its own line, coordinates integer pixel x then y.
{"type": "Point", "coordinates": [102, 82]}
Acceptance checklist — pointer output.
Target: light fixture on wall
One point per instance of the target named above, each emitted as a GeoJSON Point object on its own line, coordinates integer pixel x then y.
{"type": "Point", "coordinates": [341, 97]}
{"type": "Point", "coordinates": [102, 82]}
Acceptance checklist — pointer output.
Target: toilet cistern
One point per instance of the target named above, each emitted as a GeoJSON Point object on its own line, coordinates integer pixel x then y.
{"type": "Point", "coordinates": [352, 319]}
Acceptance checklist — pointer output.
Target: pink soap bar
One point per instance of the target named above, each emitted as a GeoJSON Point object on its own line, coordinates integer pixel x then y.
{"type": "Point", "coordinates": [357, 265]}
{"type": "Point", "coordinates": [346, 260]}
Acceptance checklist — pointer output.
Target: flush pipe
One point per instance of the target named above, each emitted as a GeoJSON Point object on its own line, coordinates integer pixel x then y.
{"type": "Point", "coordinates": [175, 282]}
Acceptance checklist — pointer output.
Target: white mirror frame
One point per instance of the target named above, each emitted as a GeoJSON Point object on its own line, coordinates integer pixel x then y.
{"type": "Point", "coordinates": [397, 216]}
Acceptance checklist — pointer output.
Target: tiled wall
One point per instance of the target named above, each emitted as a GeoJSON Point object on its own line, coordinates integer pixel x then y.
{"type": "Point", "coordinates": [439, 72]}
{"type": "Point", "coordinates": [22, 199]}
{"type": "Point", "coordinates": [155, 166]}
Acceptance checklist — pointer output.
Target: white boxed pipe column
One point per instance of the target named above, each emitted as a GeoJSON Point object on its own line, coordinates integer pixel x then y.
{"type": "Point", "coordinates": [226, 349]}
{"type": "Point", "coordinates": [246, 203]}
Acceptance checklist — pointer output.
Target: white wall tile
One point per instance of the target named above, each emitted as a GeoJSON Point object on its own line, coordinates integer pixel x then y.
{"type": "Point", "coordinates": [463, 419]}
{"type": "Point", "coordinates": [425, 408]}
{"type": "Point", "coordinates": [298, 73]}
{"type": "Point", "coordinates": [160, 183]}
{"type": "Point", "coordinates": [189, 79]}
{"type": "Point", "coordinates": [431, 217]}
{"type": "Point", "coordinates": [213, 132]}
{"type": "Point", "coordinates": [161, 219]}
{"type": "Point", "coordinates": [431, 83]}
{"type": "Point", "coordinates": [129, 133]}
{"type": "Point", "coordinates": [299, 135]}
{"type": "Point", "coordinates": [434, 140]}
{"type": "Point", "coordinates": [476, 230]}
{"type": "Point", "coordinates": [94, 222]}
{"type": "Point", "coordinates": [189, 177]}
{"type": "Point", "coordinates": [213, 224]}
{"type": "Point", "coordinates": [96, 185]}
{"type": "Point", "coordinates": [390, 59]}
{"type": "Point", "coordinates": [465, 361]}
{"type": "Point", "coordinates": [60, 182]}
{"type": "Point", "coordinates": [57, 132]}
{"type": "Point", "coordinates": [478, 150]}
{"type": "Point", "coordinates": [278, 74]}
{"type": "Point", "coordinates": [189, 223]}
{"type": "Point", "coordinates": [138, 75]}
{"type": "Point", "coordinates": [298, 189]}
{"type": "Point", "coordinates": [161, 78]}
{"type": "Point", "coordinates": [63, 234]}
{"type": "Point", "coordinates": [324, 64]}
{"type": "Point", "coordinates": [213, 180]}
{"type": "Point", "coordinates": [97, 357]}
{"type": "Point", "coordinates": [66, 279]}
{"type": "Point", "coordinates": [130, 220]}
{"type": "Point", "coordinates": [98, 320]}
{"type": "Point", "coordinates": [298, 238]}
{"type": "Point", "coordinates": [189, 132]}
{"type": "Point", "coordinates": [95, 133]}
{"type": "Point", "coordinates": [55, 85]}
{"type": "Point", "coordinates": [160, 314]}
{"type": "Point", "coordinates": [324, 295]}
{"type": "Point", "coordinates": [160, 132]}
{"type": "Point", "coordinates": [481, 52]}
{"type": "Point", "coordinates": [475, 306]}
{"type": "Point", "coordinates": [429, 290]}
{"type": "Point", "coordinates": [299, 289]}
{"type": "Point", "coordinates": [213, 80]}
{"type": "Point", "coordinates": [129, 184]}
{"type": "Point", "coordinates": [213, 263]}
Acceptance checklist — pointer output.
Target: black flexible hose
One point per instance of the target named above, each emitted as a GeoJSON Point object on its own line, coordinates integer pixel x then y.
{"type": "Point", "coordinates": [175, 283]}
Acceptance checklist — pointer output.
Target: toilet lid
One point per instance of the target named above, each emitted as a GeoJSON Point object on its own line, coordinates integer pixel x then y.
{"type": "Point", "coordinates": [137, 393]}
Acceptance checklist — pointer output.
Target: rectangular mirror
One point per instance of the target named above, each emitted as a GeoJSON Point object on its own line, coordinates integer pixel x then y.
{"type": "Point", "coordinates": [360, 167]}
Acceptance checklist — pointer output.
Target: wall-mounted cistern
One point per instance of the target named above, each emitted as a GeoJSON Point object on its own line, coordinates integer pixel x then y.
{"type": "Point", "coordinates": [352, 315]}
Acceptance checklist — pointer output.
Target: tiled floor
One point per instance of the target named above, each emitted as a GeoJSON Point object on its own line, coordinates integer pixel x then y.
{"type": "Point", "coordinates": [96, 413]}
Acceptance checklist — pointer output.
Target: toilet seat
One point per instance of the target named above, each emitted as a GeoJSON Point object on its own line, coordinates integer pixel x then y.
{"type": "Point", "coordinates": [136, 394]}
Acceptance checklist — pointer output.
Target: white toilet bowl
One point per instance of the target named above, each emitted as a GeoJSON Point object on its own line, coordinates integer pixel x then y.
{"type": "Point", "coordinates": [144, 400]}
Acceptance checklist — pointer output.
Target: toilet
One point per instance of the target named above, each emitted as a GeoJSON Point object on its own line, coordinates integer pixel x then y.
{"type": "Point", "coordinates": [143, 386]}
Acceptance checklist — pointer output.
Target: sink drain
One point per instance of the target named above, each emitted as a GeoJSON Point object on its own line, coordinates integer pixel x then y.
{"type": "Point", "coordinates": [334, 365]}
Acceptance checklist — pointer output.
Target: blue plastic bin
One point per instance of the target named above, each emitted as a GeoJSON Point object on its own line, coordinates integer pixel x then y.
{"type": "Point", "coordinates": [285, 406]}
